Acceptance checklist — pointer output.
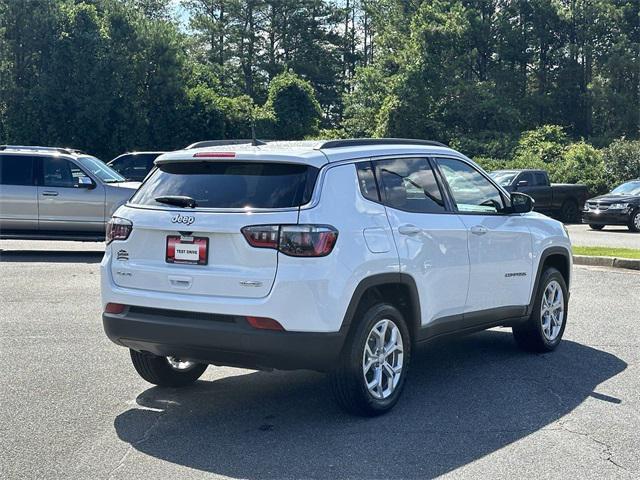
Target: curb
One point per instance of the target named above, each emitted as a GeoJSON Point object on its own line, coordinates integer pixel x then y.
{"type": "Point", "coordinates": [613, 262]}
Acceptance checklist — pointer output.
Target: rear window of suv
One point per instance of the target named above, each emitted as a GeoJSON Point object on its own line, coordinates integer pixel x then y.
{"type": "Point", "coordinates": [230, 184]}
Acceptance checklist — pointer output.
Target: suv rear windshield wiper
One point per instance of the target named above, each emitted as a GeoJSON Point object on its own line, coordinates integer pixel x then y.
{"type": "Point", "coordinates": [178, 201]}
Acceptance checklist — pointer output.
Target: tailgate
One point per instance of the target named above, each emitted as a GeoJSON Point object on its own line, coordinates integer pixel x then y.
{"type": "Point", "coordinates": [233, 268]}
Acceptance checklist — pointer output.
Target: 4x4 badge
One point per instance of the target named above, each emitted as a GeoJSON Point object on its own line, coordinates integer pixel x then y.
{"type": "Point", "coordinates": [185, 219]}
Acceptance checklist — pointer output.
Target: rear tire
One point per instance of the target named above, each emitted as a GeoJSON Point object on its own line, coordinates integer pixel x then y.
{"type": "Point", "coordinates": [595, 227]}
{"type": "Point", "coordinates": [159, 370]}
{"type": "Point", "coordinates": [634, 222]}
{"type": "Point", "coordinates": [374, 390]}
{"type": "Point", "coordinates": [569, 211]}
{"type": "Point", "coordinates": [543, 331]}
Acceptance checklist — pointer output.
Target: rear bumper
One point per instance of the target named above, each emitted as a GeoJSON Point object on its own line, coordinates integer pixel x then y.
{"type": "Point", "coordinates": [221, 340]}
{"type": "Point", "coordinates": [607, 217]}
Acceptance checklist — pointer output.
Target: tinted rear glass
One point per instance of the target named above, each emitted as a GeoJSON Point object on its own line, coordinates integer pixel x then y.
{"type": "Point", "coordinates": [16, 170]}
{"type": "Point", "coordinates": [231, 184]}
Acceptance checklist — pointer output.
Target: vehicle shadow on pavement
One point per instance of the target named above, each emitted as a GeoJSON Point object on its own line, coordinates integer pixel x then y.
{"type": "Point", "coordinates": [50, 256]}
{"type": "Point", "coordinates": [464, 399]}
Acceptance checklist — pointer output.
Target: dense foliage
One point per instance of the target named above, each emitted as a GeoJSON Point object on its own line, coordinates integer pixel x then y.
{"type": "Point", "coordinates": [512, 82]}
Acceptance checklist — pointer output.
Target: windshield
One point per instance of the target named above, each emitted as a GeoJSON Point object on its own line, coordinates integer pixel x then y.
{"type": "Point", "coordinates": [228, 185]}
{"type": "Point", "coordinates": [629, 188]}
{"type": "Point", "coordinates": [101, 170]}
{"type": "Point", "coordinates": [503, 178]}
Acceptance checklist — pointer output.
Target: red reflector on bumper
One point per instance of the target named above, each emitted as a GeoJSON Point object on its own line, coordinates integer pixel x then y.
{"type": "Point", "coordinates": [114, 308]}
{"type": "Point", "coordinates": [264, 323]}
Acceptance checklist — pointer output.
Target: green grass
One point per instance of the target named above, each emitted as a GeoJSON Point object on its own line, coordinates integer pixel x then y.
{"type": "Point", "coordinates": [607, 252]}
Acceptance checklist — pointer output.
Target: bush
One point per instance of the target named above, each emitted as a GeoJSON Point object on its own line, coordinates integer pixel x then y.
{"type": "Point", "coordinates": [622, 161]}
{"type": "Point", "coordinates": [582, 163]}
{"type": "Point", "coordinates": [295, 109]}
{"type": "Point", "coordinates": [491, 145]}
{"type": "Point", "coordinates": [547, 143]}
{"type": "Point", "coordinates": [490, 164]}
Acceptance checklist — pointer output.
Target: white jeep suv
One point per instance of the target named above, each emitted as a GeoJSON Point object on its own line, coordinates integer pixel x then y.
{"type": "Point", "coordinates": [338, 256]}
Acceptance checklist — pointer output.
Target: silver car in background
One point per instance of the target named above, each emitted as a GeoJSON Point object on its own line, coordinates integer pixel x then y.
{"type": "Point", "coordinates": [57, 193]}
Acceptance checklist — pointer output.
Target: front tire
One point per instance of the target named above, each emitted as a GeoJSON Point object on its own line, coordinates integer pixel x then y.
{"type": "Point", "coordinates": [634, 222]}
{"type": "Point", "coordinates": [543, 330]}
{"type": "Point", "coordinates": [595, 227]}
{"type": "Point", "coordinates": [166, 371]}
{"type": "Point", "coordinates": [373, 365]}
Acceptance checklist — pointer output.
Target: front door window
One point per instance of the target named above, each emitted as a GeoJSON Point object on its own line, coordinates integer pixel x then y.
{"type": "Point", "coordinates": [471, 191]}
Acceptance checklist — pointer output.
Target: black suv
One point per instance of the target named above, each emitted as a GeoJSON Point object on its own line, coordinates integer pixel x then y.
{"type": "Point", "coordinates": [619, 207]}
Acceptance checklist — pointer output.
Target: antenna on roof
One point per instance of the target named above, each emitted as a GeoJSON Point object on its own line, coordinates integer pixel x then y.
{"type": "Point", "coordinates": [254, 140]}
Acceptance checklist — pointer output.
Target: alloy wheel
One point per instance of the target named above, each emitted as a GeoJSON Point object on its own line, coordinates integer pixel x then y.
{"type": "Point", "coordinates": [382, 359]}
{"type": "Point", "coordinates": [552, 311]}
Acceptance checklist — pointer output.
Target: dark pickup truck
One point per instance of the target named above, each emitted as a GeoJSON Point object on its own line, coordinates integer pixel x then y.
{"type": "Point", "coordinates": [557, 199]}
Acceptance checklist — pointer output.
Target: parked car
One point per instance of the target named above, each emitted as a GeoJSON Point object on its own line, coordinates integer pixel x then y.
{"type": "Point", "coordinates": [57, 193]}
{"type": "Point", "coordinates": [134, 166]}
{"type": "Point", "coordinates": [557, 199]}
{"type": "Point", "coordinates": [338, 256]}
{"type": "Point", "coordinates": [619, 207]}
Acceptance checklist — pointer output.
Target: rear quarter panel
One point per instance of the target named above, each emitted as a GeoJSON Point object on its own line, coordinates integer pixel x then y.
{"type": "Point", "coordinates": [353, 259]}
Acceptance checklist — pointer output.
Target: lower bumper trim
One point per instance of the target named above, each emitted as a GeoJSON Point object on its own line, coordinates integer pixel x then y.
{"type": "Point", "coordinates": [229, 343]}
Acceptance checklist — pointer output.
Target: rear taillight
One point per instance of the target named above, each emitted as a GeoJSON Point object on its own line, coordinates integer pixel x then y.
{"type": "Point", "coordinates": [118, 229]}
{"type": "Point", "coordinates": [262, 236]}
{"type": "Point", "coordinates": [293, 240]}
{"type": "Point", "coordinates": [307, 240]}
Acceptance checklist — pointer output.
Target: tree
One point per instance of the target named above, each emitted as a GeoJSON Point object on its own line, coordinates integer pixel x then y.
{"type": "Point", "coordinates": [295, 108]}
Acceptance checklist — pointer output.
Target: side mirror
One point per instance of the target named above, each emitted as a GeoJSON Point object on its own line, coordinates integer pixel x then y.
{"type": "Point", "coordinates": [86, 182]}
{"type": "Point", "coordinates": [521, 203]}
{"type": "Point", "coordinates": [523, 183]}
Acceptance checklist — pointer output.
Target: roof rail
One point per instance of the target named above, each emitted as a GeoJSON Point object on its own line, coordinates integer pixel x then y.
{"type": "Point", "coordinates": [358, 142]}
{"type": "Point", "coordinates": [32, 148]}
{"type": "Point", "coordinates": [218, 143]}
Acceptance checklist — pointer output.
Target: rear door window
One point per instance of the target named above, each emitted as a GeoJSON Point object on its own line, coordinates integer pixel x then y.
{"type": "Point", "coordinates": [409, 184]}
{"type": "Point", "coordinates": [231, 184]}
{"type": "Point", "coordinates": [17, 170]}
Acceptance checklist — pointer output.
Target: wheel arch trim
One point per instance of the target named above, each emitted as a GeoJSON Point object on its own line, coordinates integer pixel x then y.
{"type": "Point", "coordinates": [378, 280]}
{"type": "Point", "coordinates": [548, 252]}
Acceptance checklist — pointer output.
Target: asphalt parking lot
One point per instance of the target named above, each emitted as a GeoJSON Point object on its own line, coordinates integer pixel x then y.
{"type": "Point", "coordinates": [611, 236]}
{"type": "Point", "coordinates": [474, 407]}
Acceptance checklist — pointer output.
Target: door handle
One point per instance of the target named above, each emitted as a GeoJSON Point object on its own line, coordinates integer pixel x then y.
{"type": "Point", "coordinates": [479, 230]}
{"type": "Point", "coordinates": [409, 230]}
{"type": "Point", "coordinates": [49, 194]}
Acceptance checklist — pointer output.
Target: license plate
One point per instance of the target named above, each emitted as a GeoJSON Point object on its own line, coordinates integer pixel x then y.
{"type": "Point", "coordinates": [187, 250]}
